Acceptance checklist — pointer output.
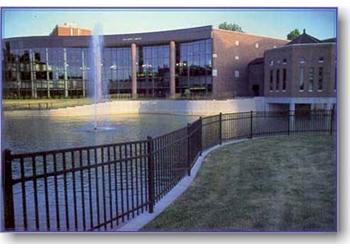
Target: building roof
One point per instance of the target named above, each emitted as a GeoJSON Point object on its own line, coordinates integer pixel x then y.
{"type": "Point", "coordinates": [258, 60]}
{"type": "Point", "coordinates": [304, 38]}
{"type": "Point", "coordinates": [330, 40]}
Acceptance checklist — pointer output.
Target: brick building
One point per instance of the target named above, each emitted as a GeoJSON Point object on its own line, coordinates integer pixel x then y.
{"type": "Point", "coordinates": [67, 29]}
{"type": "Point", "coordinates": [302, 73]}
{"type": "Point", "coordinates": [200, 61]}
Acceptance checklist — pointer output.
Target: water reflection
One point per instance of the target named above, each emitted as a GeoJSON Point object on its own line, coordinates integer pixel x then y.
{"type": "Point", "coordinates": [23, 133]}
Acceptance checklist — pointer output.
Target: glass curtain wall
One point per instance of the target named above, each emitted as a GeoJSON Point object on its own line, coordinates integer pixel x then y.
{"type": "Point", "coordinates": [56, 61]}
{"type": "Point", "coordinates": [117, 70]}
{"type": "Point", "coordinates": [194, 68]}
{"type": "Point", "coordinates": [153, 75]}
{"type": "Point", "coordinates": [74, 71]}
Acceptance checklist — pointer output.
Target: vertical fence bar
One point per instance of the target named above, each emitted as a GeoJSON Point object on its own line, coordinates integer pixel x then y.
{"type": "Point", "coordinates": [82, 188]}
{"type": "Point", "coordinates": [65, 189]}
{"type": "Point", "coordinates": [58, 225]}
{"type": "Point", "coordinates": [200, 135]}
{"type": "Point", "coordinates": [188, 149]}
{"type": "Point", "coordinates": [150, 174]}
{"type": "Point", "coordinates": [24, 196]}
{"type": "Point", "coordinates": [74, 192]}
{"type": "Point", "coordinates": [46, 194]}
{"type": "Point", "coordinates": [35, 191]}
{"type": "Point", "coordinates": [121, 181]}
{"type": "Point", "coordinates": [9, 213]}
{"type": "Point", "coordinates": [288, 121]}
{"type": "Point", "coordinates": [251, 124]}
{"type": "Point", "coordinates": [331, 124]}
{"type": "Point", "coordinates": [220, 128]}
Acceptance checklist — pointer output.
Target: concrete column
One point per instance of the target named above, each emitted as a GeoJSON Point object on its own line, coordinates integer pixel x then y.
{"type": "Point", "coordinates": [329, 106]}
{"type": "Point", "coordinates": [32, 74]}
{"type": "Point", "coordinates": [18, 76]}
{"type": "Point", "coordinates": [65, 73]}
{"type": "Point", "coordinates": [292, 116]}
{"type": "Point", "coordinates": [172, 69]}
{"type": "Point", "coordinates": [47, 73]}
{"type": "Point", "coordinates": [133, 71]}
{"type": "Point", "coordinates": [83, 72]}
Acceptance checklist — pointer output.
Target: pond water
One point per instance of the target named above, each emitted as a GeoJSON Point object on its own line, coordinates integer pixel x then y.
{"type": "Point", "coordinates": [25, 133]}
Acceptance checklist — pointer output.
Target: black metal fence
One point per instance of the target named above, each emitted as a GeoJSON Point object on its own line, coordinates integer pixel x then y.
{"type": "Point", "coordinates": [102, 187]}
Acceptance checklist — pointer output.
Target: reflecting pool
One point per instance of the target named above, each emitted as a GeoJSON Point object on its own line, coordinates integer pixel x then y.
{"type": "Point", "coordinates": [26, 133]}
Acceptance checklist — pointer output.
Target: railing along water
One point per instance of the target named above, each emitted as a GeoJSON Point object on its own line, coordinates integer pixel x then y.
{"type": "Point", "coordinates": [102, 187]}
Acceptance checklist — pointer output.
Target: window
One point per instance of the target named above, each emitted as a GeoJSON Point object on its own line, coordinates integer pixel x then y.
{"type": "Point", "coordinates": [236, 57]}
{"type": "Point", "coordinates": [320, 79]}
{"type": "Point", "coordinates": [301, 80]}
{"type": "Point", "coordinates": [284, 61]}
{"type": "Point", "coordinates": [271, 62]}
{"type": "Point", "coordinates": [284, 79]}
{"type": "Point", "coordinates": [236, 74]}
{"type": "Point", "coordinates": [311, 78]}
{"type": "Point", "coordinates": [237, 43]}
{"type": "Point", "coordinates": [302, 60]}
{"type": "Point", "coordinates": [117, 69]}
{"type": "Point", "coordinates": [321, 59]}
{"type": "Point", "coordinates": [335, 78]}
{"type": "Point", "coordinates": [195, 67]}
{"type": "Point", "coordinates": [257, 45]}
{"type": "Point", "coordinates": [271, 80]}
{"type": "Point", "coordinates": [277, 79]}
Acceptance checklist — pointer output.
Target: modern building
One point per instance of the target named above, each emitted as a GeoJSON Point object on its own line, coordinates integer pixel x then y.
{"type": "Point", "coordinates": [68, 29]}
{"type": "Point", "coordinates": [301, 73]}
{"type": "Point", "coordinates": [200, 61]}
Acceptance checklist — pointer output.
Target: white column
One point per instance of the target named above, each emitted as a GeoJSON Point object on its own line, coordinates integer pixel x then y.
{"type": "Point", "coordinates": [83, 72]}
{"type": "Point", "coordinates": [172, 69]}
{"type": "Point", "coordinates": [65, 73]}
{"type": "Point", "coordinates": [133, 71]}
{"type": "Point", "coordinates": [47, 72]}
{"type": "Point", "coordinates": [291, 116]}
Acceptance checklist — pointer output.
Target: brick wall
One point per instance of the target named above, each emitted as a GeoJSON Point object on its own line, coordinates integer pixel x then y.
{"type": "Point", "coordinates": [306, 56]}
{"type": "Point", "coordinates": [234, 50]}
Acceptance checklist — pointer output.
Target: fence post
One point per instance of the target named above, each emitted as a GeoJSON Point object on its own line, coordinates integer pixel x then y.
{"type": "Point", "coordinates": [188, 150]}
{"type": "Point", "coordinates": [331, 125]}
{"type": "Point", "coordinates": [9, 215]}
{"type": "Point", "coordinates": [288, 113]}
{"type": "Point", "coordinates": [200, 136]}
{"type": "Point", "coordinates": [220, 128]}
{"type": "Point", "coordinates": [251, 124]}
{"type": "Point", "coordinates": [150, 174]}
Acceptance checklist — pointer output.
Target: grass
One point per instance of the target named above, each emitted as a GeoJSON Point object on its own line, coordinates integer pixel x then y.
{"type": "Point", "coordinates": [270, 184]}
{"type": "Point", "coordinates": [55, 103]}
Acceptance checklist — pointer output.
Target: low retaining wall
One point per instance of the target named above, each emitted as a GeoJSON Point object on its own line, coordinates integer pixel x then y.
{"type": "Point", "coordinates": [183, 107]}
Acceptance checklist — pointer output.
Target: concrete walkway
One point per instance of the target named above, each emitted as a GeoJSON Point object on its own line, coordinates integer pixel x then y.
{"type": "Point", "coordinates": [140, 221]}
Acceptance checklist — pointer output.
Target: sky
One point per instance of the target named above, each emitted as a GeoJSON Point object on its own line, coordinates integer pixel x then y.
{"type": "Point", "coordinates": [320, 23]}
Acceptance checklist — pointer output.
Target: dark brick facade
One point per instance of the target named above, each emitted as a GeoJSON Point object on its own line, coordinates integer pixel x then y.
{"type": "Point", "coordinates": [234, 51]}
{"type": "Point", "coordinates": [310, 64]}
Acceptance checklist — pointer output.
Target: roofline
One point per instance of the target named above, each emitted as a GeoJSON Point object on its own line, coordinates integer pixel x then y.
{"type": "Point", "coordinates": [250, 34]}
{"type": "Point", "coordinates": [121, 34]}
{"type": "Point", "coordinates": [299, 45]}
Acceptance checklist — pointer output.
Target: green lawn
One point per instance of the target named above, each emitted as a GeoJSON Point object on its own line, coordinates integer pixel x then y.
{"type": "Point", "coordinates": [13, 104]}
{"type": "Point", "coordinates": [270, 184]}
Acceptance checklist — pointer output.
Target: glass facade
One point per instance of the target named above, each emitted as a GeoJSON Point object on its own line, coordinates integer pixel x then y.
{"type": "Point", "coordinates": [153, 75]}
{"type": "Point", "coordinates": [194, 68]}
{"type": "Point", "coordinates": [116, 70]}
{"type": "Point", "coordinates": [74, 68]}
{"type": "Point", "coordinates": [58, 71]}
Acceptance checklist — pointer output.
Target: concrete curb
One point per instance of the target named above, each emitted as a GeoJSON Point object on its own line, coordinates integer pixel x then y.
{"type": "Point", "coordinates": [140, 221]}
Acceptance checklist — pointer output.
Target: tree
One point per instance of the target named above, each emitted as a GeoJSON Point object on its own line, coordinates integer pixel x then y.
{"type": "Point", "coordinates": [293, 34]}
{"type": "Point", "coordinates": [230, 26]}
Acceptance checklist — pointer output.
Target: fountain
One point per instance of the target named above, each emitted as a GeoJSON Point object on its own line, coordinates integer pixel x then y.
{"type": "Point", "coordinates": [98, 89]}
